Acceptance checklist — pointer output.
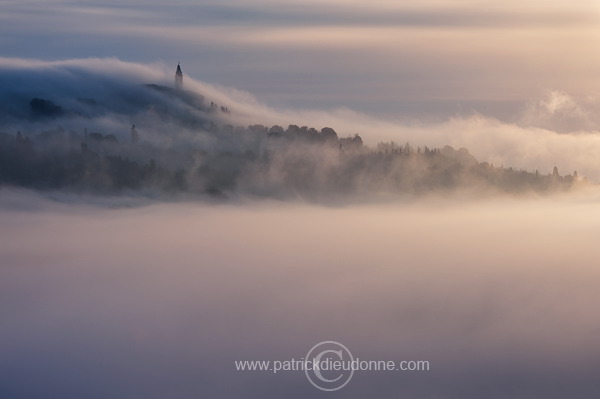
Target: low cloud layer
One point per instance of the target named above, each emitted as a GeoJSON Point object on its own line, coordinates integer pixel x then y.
{"type": "Point", "coordinates": [159, 301]}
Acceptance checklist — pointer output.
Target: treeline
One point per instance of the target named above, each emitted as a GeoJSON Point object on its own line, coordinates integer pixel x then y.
{"type": "Point", "coordinates": [81, 169]}
{"type": "Point", "coordinates": [297, 161]}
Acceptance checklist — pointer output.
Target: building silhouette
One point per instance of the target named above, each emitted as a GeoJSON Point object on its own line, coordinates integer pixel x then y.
{"type": "Point", "coordinates": [178, 78]}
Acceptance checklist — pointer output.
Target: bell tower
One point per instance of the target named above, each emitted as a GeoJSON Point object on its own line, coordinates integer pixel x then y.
{"type": "Point", "coordinates": [178, 78]}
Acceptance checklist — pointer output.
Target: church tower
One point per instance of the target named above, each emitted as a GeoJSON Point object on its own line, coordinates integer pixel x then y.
{"type": "Point", "coordinates": [178, 78]}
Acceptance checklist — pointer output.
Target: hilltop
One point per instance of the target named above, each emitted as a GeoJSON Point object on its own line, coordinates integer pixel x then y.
{"type": "Point", "coordinates": [153, 139]}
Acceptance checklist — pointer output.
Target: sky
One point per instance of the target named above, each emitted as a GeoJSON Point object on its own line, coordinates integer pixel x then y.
{"type": "Point", "coordinates": [427, 60]}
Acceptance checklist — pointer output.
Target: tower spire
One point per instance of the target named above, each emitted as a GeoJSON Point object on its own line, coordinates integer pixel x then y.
{"type": "Point", "coordinates": [178, 77]}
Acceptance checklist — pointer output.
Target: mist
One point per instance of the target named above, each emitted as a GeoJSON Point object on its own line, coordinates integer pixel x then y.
{"type": "Point", "coordinates": [134, 294]}
{"type": "Point", "coordinates": [415, 181]}
{"type": "Point", "coordinates": [218, 141]}
{"type": "Point", "coordinates": [160, 300]}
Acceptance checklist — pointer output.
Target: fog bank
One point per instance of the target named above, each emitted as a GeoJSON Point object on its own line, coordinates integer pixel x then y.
{"type": "Point", "coordinates": [108, 96]}
{"type": "Point", "coordinates": [160, 300]}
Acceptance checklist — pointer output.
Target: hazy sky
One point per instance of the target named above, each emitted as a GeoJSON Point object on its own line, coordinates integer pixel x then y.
{"type": "Point", "coordinates": [433, 58]}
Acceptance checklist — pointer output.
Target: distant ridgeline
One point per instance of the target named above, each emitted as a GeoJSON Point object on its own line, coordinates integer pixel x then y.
{"type": "Point", "coordinates": [183, 145]}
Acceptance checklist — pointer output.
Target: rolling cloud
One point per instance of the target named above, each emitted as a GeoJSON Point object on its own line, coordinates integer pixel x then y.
{"type": "Point", "coordinates": [437, 58]}
{"type": "Point", "coordinates": [109, 95]}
